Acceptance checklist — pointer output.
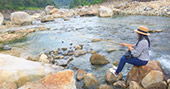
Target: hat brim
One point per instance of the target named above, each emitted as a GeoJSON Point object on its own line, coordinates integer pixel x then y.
{"type": "Point", "coordinates": [141, 32]}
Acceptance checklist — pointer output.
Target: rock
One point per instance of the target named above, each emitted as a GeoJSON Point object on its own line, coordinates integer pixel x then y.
{"type": "Point", "coordinates": [45, 58]}
{"type": "Point", "coordinates": [154, 31]}
{"type": "Point", "coordinates": [110, 78]}
{"type": "Point", "coordinates": [62, 62]}
{"type": "Point", "coordinates": [64, 49]}
{"type": "Point", "coordinates": [93, 52]}
{"type": "Point", "coordinates": [152, 77]}
{"type": "Point", "coordinates": [53, 10]}
{"type": "Point", "coordinates": [105, 12]}
{"type": "Point", "coordinates": [77, 47]}
{"type": "Point", "coordinates": [62, 13]}
{"type": "Point", "coordinates": [87, 12]}
{"type": "Point", "coordinates": [159, 85]}
{"type": "Point", "coordinates": [60, 80]}
{"type": "Point", "coordinates": [137, 73]}
{"type": "Point", "coordinates": [97, 59]}
{"type": "Point", "coordinates": [31, 58]}
{"type": "Point", "coordinates": [96, 40]}
{"type": "Point", "coordinates": [116, 63]}
{"type": "Point", "coordinates": [111, 50]}
{"type": "Point", "coordinates": [168, 81]}
{"type": "Point", "coordinates": [90, 80]}
{"type": "Point", "coordinates": [48, 9]}
{"type": "Point", "coordinates": [7, 47]}
{"type": "Point", "coordinates": [80, 74]}
{"type": "Point", "coordinates": [33, 85]}
{"type": "Point", "coordinates": [20, 18]}
{"type": "Point", "coordinates": [169, 86]}
{"type": "Point", "coordinates": [47, 18]}
{"type": "Point", "coordinates": [135, 85]}
{"type": "Point", "coordinates": [120, 84]}
{"type": "Point", "coordinates": [1, 19]}
{"type": "Point", "coordinates": [20, 70]}
{"type": "Point", "coordinates": [66, 19]}
{"type": "Point", "coordinates": [78, 53]}
{"type": "Point", "coordinates": [104, 86]}
{"type": "Point", "coordinates": [35, 16]}
{"type": "Point", "coordinates": [8, 85]}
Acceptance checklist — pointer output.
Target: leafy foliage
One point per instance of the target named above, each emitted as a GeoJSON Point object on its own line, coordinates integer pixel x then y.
{"type": "Point", "coordinates": [24, 4]}
{"type": "Point", "coordinates": [76, 3]}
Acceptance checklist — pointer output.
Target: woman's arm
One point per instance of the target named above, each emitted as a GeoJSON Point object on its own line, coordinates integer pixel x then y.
{"type": "Point", "coordinates": [128, 45]}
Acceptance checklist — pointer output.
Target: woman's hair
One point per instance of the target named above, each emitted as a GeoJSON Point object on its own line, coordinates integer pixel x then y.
{"type": "Point", "coordinates": [141, 36]}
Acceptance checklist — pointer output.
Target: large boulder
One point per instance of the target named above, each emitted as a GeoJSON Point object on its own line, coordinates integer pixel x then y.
{"type": "Point", "coordinates": [97, 59]}
{"type": "Point", "coordinates": [104, 86]}
{"type": "Point", "coordinates": [110, 78]}
{"type": "Point", "coordinates": [90, 81]}
{"type": "Point", "coordinates": [48, 9]}
{"type": "Point", "coordinates": [87, 12]}
{"type": "Point", "coordinates": [20, 18]}
{"type": "Point", "coordinates": [152, 77]}
{"type": "Point", "coordinates": [20, 71]}
{"type": "Point", "coordinates": [1, 18]}
{"type": "Point", "coordinates": [60, 80]}
{"type": "Point", "coordinates": [137, 73]}
{"type": "Point", "coordinates": [8, 85]}
{"type": "Point", "coordinates": [135, 85]}
{"type": "Point", "coordinates": [80, 74]}
{"type": "Point", "coordinates": [105, 12]}
{"type": "Point", "coordinates": [159, 85]}
{"type": "Point", "coordinates": [47, 18]}
{"type": "Point", "coordinates": [62, 13]}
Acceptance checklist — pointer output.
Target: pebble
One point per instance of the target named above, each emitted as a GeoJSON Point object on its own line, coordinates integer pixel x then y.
{"type": "Point", "coordinates": [7, 47]}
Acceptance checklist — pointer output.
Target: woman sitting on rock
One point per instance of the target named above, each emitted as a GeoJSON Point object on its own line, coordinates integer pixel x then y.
{"type": "Point", "coordinates": [139, 53]}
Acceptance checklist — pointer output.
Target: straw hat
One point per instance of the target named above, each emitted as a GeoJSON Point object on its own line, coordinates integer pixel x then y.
{"type": "Point", "coordinates": [142, 30]}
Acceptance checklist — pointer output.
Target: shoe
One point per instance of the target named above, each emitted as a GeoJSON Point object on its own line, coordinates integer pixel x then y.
{"type": "Point", "coordinates": [113, 72]}
{"type": "Point", "coordinates": [114, 67]}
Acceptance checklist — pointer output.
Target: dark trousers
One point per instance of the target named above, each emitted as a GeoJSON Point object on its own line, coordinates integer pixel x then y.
{"type": "Point", "coordinates": [133, 61]}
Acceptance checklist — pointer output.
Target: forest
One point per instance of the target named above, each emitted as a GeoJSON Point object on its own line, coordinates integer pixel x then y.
{"type": "Point", "coordinates": [24, 4]}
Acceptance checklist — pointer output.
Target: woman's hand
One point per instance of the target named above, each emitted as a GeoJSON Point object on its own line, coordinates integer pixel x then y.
{"type": "Point", "coordinates": [130, 48]}
{"type": "Point", "coordinates": [123, 44]}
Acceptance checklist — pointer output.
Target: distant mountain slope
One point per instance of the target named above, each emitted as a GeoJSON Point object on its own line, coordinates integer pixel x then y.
{"type": "Point", "coordinates": [76, 3]}
{"type": "Point", "coordinates": [24, 4]}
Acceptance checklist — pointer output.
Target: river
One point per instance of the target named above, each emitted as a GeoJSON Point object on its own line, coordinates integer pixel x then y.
{"type": "Point", "coordinates": [81, 30]}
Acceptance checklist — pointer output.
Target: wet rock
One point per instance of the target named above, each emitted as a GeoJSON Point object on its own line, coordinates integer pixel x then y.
{"type": "Point", "coordinates": [53, 10]}
{"type": "Point", "coordinates": [33, 85]}
{"type": "Point", "coordinates": [90, 80]}
{"type": "Point", "coordinates": [137, 73]}
{"type": "Point", "coordinates": [31, 58]}
{"type": "Point", "coordinates": [66, 19]}
{"type": "Point", "coordinates": [45, 58]}
{"type": "Point", "coordinates": [8, 85]}
{"type": "Point", "coordinates": [159, 85]}
{"type": "Point", "coordinates": [78, 53]}
{"type": "Point", "coordinates": [48, 9]}
{"type": "Point", "coordinates": [77, 47]}
{"type": "Point", "coordinates": [110, 78]}
{"type": "Point", "coordinates": [88, 12]}
{"type": "Point", "coordinates": [1, 19]}
{"type": "Point", "coordinates": [62, 13]}
{"type": "Point", "coordinates": [120, 84]}
{"type": "Point", "coordinates": [168, 81]}
{"type": "Point", "coordinates": [64, 49]}
{"type": "Point", "coordinates": [59, 57]}
{"type": "Point", "coordinates": [80, 74]}
{"type": "Point", "coordinates": [116, 63]}
{"type": "Point", "coordinates": [152, 77]}
{"type": "Point", "coordinates": [154, 31]}
{"type": "Point", "coordinates": [96, 40]}
{"type": "Point", "coordinates": [35, 16]}
{"type": "Point", "coordinates": [20, 70]}
{"type": "Point", "coordinates": [93, 52]}
{"type": "Point", "coordinates": [135, 85]}
{"type": "Point", "coordinates": [105, 12]}
{"type": "Point", "coordinates": [47, 18]}
{"type": "Point", "coordinates": [97, 59]}
{"type": "Point", "coordinates": [7, 47]}
{"type": "Point", "coordinates": [60, 80]}
{"type": "Point", "coordinates": [62, 62]}
{"type": "Point", "coordinates": [20, 18]}
{"type": "Point", "coordinates": [111, 50]}
{"type": "Point", "coordinates": [104, 86]}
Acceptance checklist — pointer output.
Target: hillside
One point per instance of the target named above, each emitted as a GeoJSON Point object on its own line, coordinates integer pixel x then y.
{"type": "Point", "coordinates": [24, 4]}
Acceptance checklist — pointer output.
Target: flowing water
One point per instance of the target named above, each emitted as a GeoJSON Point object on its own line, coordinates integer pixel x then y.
{"type": "Point", "coordinates": [81, 30]}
